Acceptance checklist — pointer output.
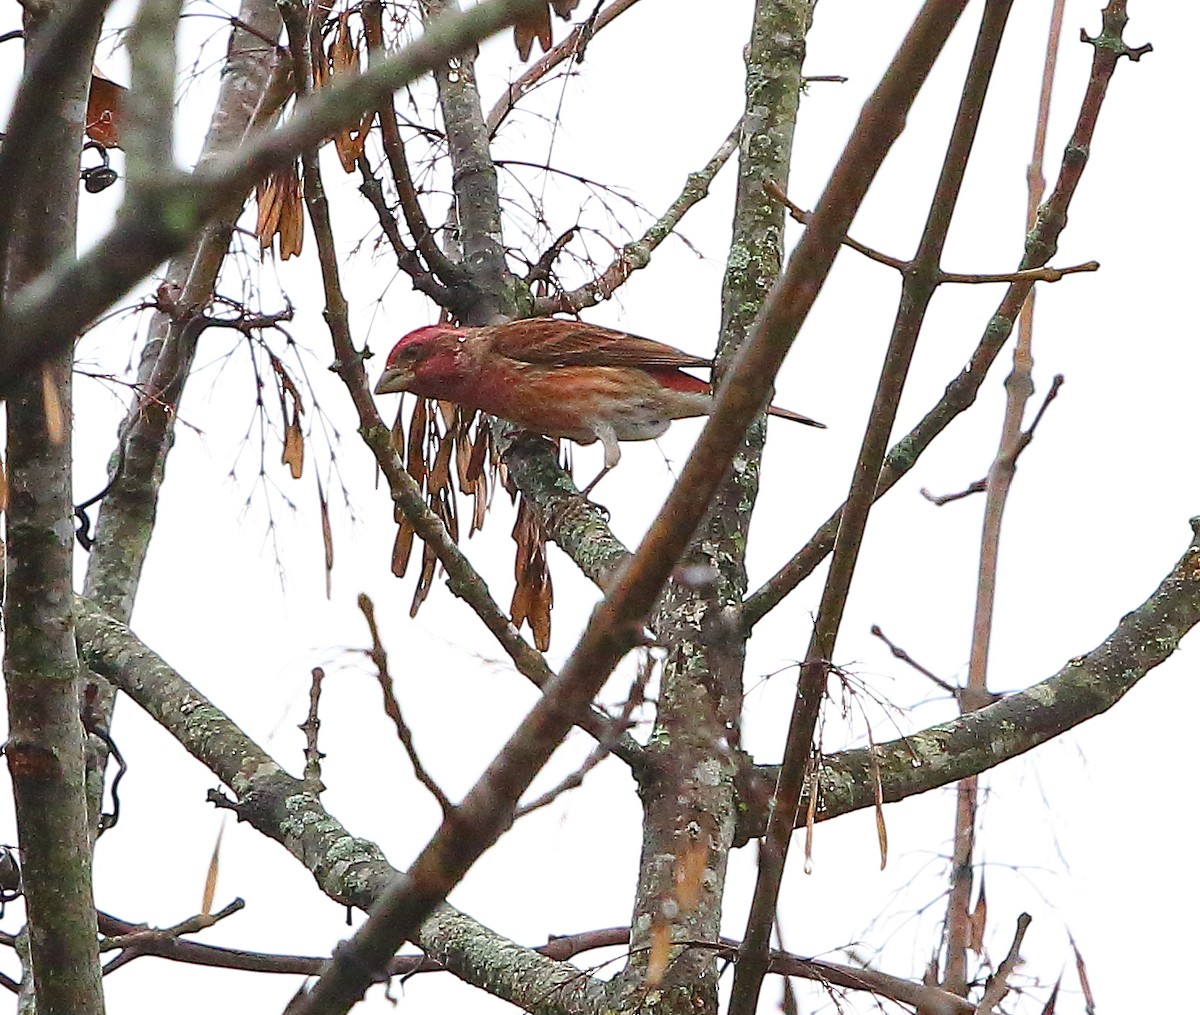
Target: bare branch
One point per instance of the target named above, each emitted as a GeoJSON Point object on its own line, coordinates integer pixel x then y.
{"type": "Point", "coordinates": [912, 63]}
{"type": "Point", "coordinates": [147, 128]}
{"type": "Point", "coordinates": [571, 48]}
{"type": "Point", "coordinates": [391, 706]}
{"type": "Point", "coordinates": [1084, 687]}
{"type": "Point", "coordinates": [1023, 441]}
{"type": "Point", "coordinates": [350, 870]}
{"type": "Point", "coordinates": [46, 314]}
{"type": "Point", "coordinates": [1040, 246]}
{"type": "Point", "coordinates": [997, 985]}
{"type": "Point", "coordinates": [637, 253]}
{"type": "Point", "coordinates": [1041, 274]}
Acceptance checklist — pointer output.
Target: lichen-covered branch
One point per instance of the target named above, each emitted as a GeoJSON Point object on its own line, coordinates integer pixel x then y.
{"type": "Point", "coordinates": [348, 869]}
{"type": "Point", "coordinates": [1040, 245]}
{"type": "Point", "coordinates": [690, 808]}
{"type": "Point", "coordinates": [476, 189]}
{"type": "Point", "coordinates": [1084, 687]}
{"type": "Point", "coordinates": [67, 297]}
{"type": "Point", "coordinates": [892, 97]}
{"type": "Point", "coordinates": [44, 747]}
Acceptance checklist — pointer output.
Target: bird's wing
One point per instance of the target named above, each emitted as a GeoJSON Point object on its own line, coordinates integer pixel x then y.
{"type": "Point", "coordinates": [555, 342]}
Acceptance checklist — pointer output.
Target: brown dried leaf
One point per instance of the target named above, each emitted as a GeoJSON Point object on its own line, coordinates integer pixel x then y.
{"type": "Point", "coordinates": [810, 819]}
{"type": "Point", "coordinates": [415, 460]}
{"type": "Point", "coordinates": [977, 922]}
{"type": "Point", "coordinates": [281, 212]}
{"type": "Point", "coordinates": [270, 206]}
{"type": "Point", "coordinates": [104, 108]}
{"type": "Point", "coordinates": [428, 565]}
{"type": "Point", "coordinates": [291, 216]}
{"type": "Point", "coordinates": [1052, 1000]}
{"type": "Point", "coordinates": [439, 474]}
{"type": "Point", "coordinates": [397, 439]}
{"type": "Point", "coordinates": [326, 538]}
{"type": "Point", "coordinates": [880, 824]}
{"type": "Point", "coordinates": [56, 426]}
{"type": "Point", "coordinates": [210, 879]}
{"type": "Point", "coordinates": [533, 596]}
{"type": "Point", "coordinates": [689, 876]}
{"type": "Point", "coordinates": [343, 60]}
{"type": "Point", "coordinates": [343, 54]}
{"type": "Point", "coordinates": [1081, 969]}
{"type": "Point", "coordinates": [535, 25]}
{"type": "Point", "coordinates": [293, 447]}
{"type": "Point", "coordinates": [660, 951]}
{"type": "Point", "coordinates": [478, 453]}
{"type": "Point", "coordinates": [881, 832]}
{"type": "Point", "coordinates": [402, 550]}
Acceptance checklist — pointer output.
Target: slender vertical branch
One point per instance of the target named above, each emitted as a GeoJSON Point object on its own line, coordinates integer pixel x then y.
{"type": "Point", "coordinates": [147, 128]}
{"type": "Point", "coordinates": [476, 188]}
{"type": "Point", "coordinates": [689, 820]}
{"type": "Point", "coordinates": [44, 749]}
{"type": "Point", "coordinates": [1040, 245]}
{"type": "Point", "coordinates": [1019, 388]}
{"type": "Point", "coordinates": [919, 285]}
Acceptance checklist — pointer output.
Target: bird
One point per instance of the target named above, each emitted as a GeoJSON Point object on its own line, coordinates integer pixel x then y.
{"type": "Point", "coordinates": [558, 378]}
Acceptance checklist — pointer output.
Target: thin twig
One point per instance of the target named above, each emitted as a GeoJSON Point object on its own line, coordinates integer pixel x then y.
{"type": "Point", "coordinates": [1019, 389]}
{"type": "Point", "coordinates": [311, 727]}
{"type": "Point", "coordinates": [571, 47]}
{"type": "Point", "coordinates": [1040, 274]}
{"type": "Point", "coordinates": [960, 393]}
{"type": "Point", "coordinates": [637, 694]}
{"type": "Point", "coordinates": [392, 707]}
{"type": "Point", "coordinates": [636, 254]}
{"type": "Point", "coordinates": [450, 273]}
{"type": "Point", "coordinates": [997, 984]}
{"type": "Point", "coordinates": [1023, 441]}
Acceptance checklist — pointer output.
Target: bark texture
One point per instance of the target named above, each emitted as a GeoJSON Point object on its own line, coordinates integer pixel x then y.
{"type": "Point", "coordinates": [41, 670]}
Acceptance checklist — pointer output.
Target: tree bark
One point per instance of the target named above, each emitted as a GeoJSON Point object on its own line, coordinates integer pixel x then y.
{"type": "Point", "coordinates": [41, 669]}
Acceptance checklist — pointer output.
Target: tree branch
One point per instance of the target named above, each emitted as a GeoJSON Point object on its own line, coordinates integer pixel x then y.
{"type": "Point", "coordinates": [47, 313]}
{"type": "Point", "coordinates": [44, 746]}
{"type": "Point", "coordinates": [889, 103]}
{"type": "Point", "coordinates": [636, 254]}
{"type": "Point", "coordinates": [348, 869]}
{"type": "Point", "coordinates": [1083, 688]}
{"type": "Point", "coordinates": [1040, 246]}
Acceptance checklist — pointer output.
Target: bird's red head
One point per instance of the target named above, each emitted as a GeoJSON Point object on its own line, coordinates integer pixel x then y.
{"type": "Point", "coordinates": [422, 361]}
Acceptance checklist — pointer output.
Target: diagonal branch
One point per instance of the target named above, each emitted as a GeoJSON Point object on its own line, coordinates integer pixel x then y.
{"type": "Point", "coordinates": [571, 48]}
{"type": "Point", "coordinates": [1040, 246]}
{"type": "Point", "coordinates": [1086, 686]}
{"type": "Point", "coordinates": [615, 625]}
{"type": "Point", "coordinates": [348, 869]}
{"type": "Point", "coordinates": [50, 311]}
{"type": "Point", "coordinates": [928, 35]}
{"type": "Point", "coordinates": [636, 254]}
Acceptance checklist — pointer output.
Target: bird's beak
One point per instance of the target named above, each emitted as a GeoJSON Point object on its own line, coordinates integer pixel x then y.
{"type": "Point", "coordinates": [393, 381]}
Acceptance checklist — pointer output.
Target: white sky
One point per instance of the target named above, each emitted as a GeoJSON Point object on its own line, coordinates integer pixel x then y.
{"type": "Point", "coordinates": [1085, 833]}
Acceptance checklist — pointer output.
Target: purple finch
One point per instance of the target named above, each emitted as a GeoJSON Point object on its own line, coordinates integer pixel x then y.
{"type": "Point", "coordinates": [557, 378]}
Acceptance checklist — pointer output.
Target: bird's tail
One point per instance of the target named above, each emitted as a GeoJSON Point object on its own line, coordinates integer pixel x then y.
{"type": "Point", "coordinates": [795, 417]}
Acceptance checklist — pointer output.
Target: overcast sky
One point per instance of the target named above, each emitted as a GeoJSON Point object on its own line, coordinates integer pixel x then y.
{"type": "Point", "coordinates": [1089, 834]}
